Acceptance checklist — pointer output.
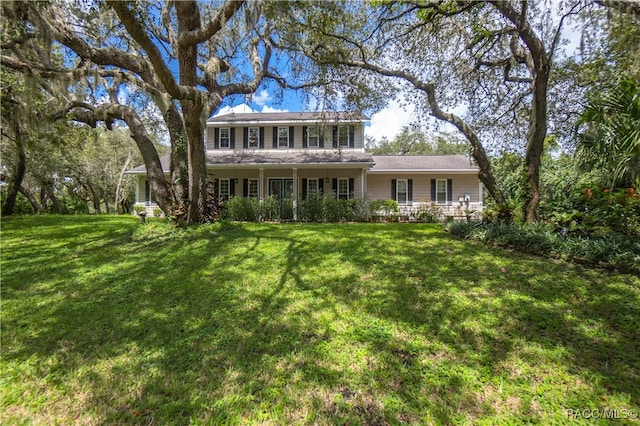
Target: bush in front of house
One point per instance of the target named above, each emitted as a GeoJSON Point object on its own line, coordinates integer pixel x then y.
{"type": "Point", "coordinates": [241, 209]}
{"type": "Point", "coordinates": [609, 250]}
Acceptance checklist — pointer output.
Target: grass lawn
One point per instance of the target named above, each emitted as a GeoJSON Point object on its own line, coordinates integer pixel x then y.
{"type": "Point", "coordinates": [106, 321]}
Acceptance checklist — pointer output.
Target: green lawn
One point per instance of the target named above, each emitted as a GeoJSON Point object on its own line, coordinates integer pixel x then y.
{"type": "Point", "coordinates": [106, 321]}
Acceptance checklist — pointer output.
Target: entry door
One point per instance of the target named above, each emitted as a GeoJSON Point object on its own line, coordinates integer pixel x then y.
{"type": "Point", "coordinates": [281, 188]}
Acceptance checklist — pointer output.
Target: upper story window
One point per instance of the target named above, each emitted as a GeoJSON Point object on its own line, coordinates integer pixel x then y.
{"type": "Point", "coordinates": [283, 137]}
{"type": "Point", "coordinates": [254, 137]}
{"type": "Point", "coordinates": [224, 137]}
{"type": "Point", "coordinates": [313, 137]}
{"type": "Point", "coordinates": [343, 136]}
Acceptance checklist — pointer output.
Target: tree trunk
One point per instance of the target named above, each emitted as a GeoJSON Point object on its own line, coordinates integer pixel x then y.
{"type": "Point", "coordinates": [188, 15]}
{"type": "Point", "coordinates": [37, 207]}
{"type": "Point", "coordinates": [17, 176]}
{"type": "Point", "coordinates": [179, 163]}
{"type": "Point", "coordinates": [120, 179]}
{"type": "Point", "coordinates": [95, 198]}
{"type": "Point", "coordinates": [57, 208]}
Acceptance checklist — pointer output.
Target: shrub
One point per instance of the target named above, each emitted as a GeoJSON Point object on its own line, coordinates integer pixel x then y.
{"type": "Point", "coordinates": [241, 209]}
{"type": "Point", "coordinates": [610, 250]}
{"type": "Point", "coordinates": [269, 209]}
{"type": "Point", "coordinates": [311, 209]}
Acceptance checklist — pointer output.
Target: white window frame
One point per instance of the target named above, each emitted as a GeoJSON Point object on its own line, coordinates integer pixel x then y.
{"type": "Point", "coordinates": [280, 138]}
{"type": "Point", "coordinates": [254, 183]}
{"type": "Point", "coordinates": [313, 192]}
{"type": "Point", "coordinates": [344, 193]}
{"type": "Point", "coordinates": [313, 134]}
{"type": "Point", "coordinates": [438, 201]}
{"type": "Point", "coordinates": [342, 134]}
{"type": "Point", "coordinates": [227, 138]}
{"type": "Point", "coordinates": [224, 195]}
{"type": "Point", "coordinates": [406, 191]}
{"type": "Point", "coordinates": [255, 138]}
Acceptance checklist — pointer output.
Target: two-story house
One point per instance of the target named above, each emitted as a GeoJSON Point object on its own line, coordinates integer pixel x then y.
{"type": "Point", "coordinates": [296, 155]}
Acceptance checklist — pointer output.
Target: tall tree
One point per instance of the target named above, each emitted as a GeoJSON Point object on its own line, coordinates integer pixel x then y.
{"type": "Point", "coordinates": [216, 51]}
{"type": "Point", "coordinates": [494, 58]}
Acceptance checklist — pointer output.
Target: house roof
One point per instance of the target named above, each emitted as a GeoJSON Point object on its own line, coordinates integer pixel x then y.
{"type": "Point", "coordinates": [422, 163]}
{"type": "Point", "coordinates": [287, 158]}
{"type": "Point", "coordinates": [333, 158]}
{"type": "Point", "coordinates": [241, 159]}
{"type": "Point", "coordinates": [288, 117]}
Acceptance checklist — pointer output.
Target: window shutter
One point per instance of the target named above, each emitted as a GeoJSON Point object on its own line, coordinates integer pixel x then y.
{"type": "Point", "coordinates": [245, 187]}
{"type": "Point", "coordinates": [216, 189]}
{"type": "Point", "coordinates": [291, 137]}
{"type": "Point", "coordinates": [352, 137]}
{"type": "Point", "coordinates": [320, 185]}
{"type": "Point", "coordinates": [261, 137]}
{"type": "Point", "coordinates": [352, 188]}
{"type": "Point", "coordinates": [394, 184]}
{"type": "Point", "coordinates": [216, 137]}
{"type": "Point", "coordinates": [275, 137]}
{"type": "Point", "coordinates": [245, 138]}
{"type": "Point", "coordinates": [232, 143]}
{"type": "Point", "coordinates": [321, 142]}
{"type": "Point", "coordinates": [304, 189]}
{"type": "Point", "coordinates": [305, 142]}
{"type": "Point", "coordinates": [335, 136]}
{"type": "Point", "coordinates": [449, 190]}
{"type": "Point", "coordinates": [232, 187]}
{"type": "Point", "coordinates": [433, 190]}
{"type": "Point", "coordinates": [147, 192]}
{"type": "Point", "coordinates": [334, 184]}
{"type": "Point", "coordinates": [410, 190]}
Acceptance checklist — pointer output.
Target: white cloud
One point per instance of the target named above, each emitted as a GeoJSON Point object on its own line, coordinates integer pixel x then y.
{"type": "Point", "coordinates": [271, 109]}
{"type": "Point", "coordinates": [389, 121]}
{"type": "Point", "coordinates": [239, 109]}
{"type": "Point", "coordinates": [261, 98]}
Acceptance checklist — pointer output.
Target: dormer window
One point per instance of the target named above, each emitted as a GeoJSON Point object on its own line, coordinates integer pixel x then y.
{"type": "Point", "coordinates": [283, 137]}
{"type": "Point", "coordinates": [224, 138]}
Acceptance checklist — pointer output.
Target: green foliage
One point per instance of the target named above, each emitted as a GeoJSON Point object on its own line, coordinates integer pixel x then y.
{"type": "Point", "coordinates": [311, 209]}
{"type": "Point", "coordinates": [616, 251]}
{"type": "Point", "coordinates": [269, 209]}
{"type": "Point", "coordinates": [241, 209]}
{"type": "Point", "coordinates": [383, 207]}
{"type": "Point", "coordinates": [415, 142]}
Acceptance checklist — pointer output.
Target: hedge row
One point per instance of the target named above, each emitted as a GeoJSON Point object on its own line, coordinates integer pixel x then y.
{"type": "Point", "coordinates": [612, 251]}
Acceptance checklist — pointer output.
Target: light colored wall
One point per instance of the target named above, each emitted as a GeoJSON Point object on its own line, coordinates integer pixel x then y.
{"type": "Point", "coordinates": [379, 186]}
{"type": "Point", "coordinates": [297, 137]}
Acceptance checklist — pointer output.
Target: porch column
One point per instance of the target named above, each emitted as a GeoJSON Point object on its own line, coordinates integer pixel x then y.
{"type": "Point", "coordinates": [364, 182]}
{"type": "Point", "coordinates": [260, 184]}
{"type": "Point", "coordinates": [137, 199]}
{"type": "Point", "coordinates": [480, 191]}
{"type": "Point", "coordinates": [295, 194]}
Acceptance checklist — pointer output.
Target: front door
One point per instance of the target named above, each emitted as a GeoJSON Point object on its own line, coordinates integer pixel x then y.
{"type": "Point", "coordinates": [281, 188]}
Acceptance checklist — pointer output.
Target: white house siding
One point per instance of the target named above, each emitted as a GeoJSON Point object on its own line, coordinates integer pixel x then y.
{"type": "Point", "coordinates": [355, 173]}
{"type": "Point", "coordinates": [268, 136]}
{"type": "Point", "coordinates": [379, 185]}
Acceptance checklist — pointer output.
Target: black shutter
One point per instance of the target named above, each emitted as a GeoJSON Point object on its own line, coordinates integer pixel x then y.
{"type": "Point", "coordinates": [449, 190]}
{"type": "Point", "coordinates": [352, 137]}
{"type": "Point", "coordinates": [304, 189]}
{"type": "Point", "coordinates": [245, 138]}
{"type": "Point", "coordinates": [410, 190]}
{"type": "Point", "coordinates": [334, 185]}
{"type": "Point", "coordinates": [352, 188]}
{"type": "Point", "coordinates": [321, 142]}
{"type": "Point", "coordinates": [393, 189]}
{"type": "Point", "coordinates": [261, 137]}
{"type": "Point", "coordinates": [232, 187]}
{"type": "Point", "coordinates": [147, 192]}
{"type": "Point", "coordinates": [232, 143]}
{"type": "Point", "coordinates": [305, 142]}
{"type": "Point", "coordinates": [245, 187]}
{"type": "Point", "coordinates": [320, 185]}
{"type": "Point", "coordinates": [335, 136]}
{"type": "Point", "coordinates": [433, 190]}
{"type": "Point", "coordinates": [275, 137]}
{"type": "Point", "coordinates": [291, 137]}
{"type": "Point", "coordinates": [216, 137]}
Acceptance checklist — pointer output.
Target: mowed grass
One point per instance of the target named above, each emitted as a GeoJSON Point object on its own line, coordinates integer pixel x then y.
{"type": "Point", "coordinates": [106, 321]}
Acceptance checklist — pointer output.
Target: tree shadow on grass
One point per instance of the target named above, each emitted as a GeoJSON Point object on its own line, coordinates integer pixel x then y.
{"type": "Point", "coordinates": [244, 322]}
